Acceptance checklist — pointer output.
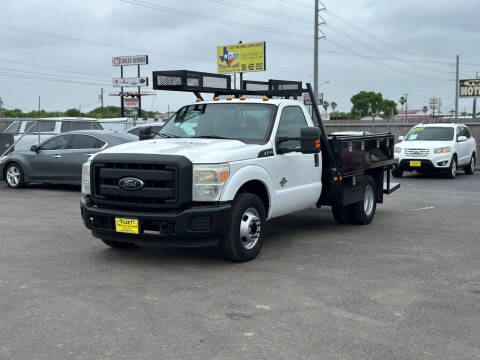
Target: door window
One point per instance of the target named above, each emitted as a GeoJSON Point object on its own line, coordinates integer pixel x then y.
{"type": "Point", "coordinates": [291, 121]}
{"type": "Point", "coordinates": [468, 134]}
{"type": "Point", "coordinates": [86, 142]}
{"type": "Point", "coordinates": [14, 128]}
{"type": "Point", "coordinates": [42, 126]}
{"type": "Point", "coordinates": [57, 143]}
{"type": "Point", "coordinates": [80, 125]}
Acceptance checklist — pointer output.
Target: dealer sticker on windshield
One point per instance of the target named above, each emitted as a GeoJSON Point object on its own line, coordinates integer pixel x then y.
{"type": "Point", "coordinates": [129, 226]}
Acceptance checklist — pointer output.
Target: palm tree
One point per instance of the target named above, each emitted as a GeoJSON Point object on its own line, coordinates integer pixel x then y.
{"type": "Point", "coordinates": [325, 105]}
{"type": "Point", "coordinates": [425, 110]}
{"type": "Point", "coordinates": [402, 101]}
{"type": "Point", "coordinates": [333, 105]}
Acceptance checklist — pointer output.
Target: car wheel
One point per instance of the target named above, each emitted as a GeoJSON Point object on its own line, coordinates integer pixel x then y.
{"type": "Point", "coordinates": [244, 238]}
{"type": "Point", "coordinates": [342, 214]}
{"type": "Point", "coordinates": [398, 173]}
{"type": "Point", "coordinates": [452, 170]}
{"type": "Point", "coordinates": [14, 176]}
{"type": "Point", "coordinates": [364, 211]}
{"type": "Point", "coordinates": [470, 169]}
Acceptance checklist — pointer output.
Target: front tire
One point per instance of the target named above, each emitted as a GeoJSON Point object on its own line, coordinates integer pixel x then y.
{"type": "Point", "coordinates": [452, 170]}
{"type": "Point", "coordinates": [244, 237]}
{"type": "Point", "coordinates": [397, 173]}
{"type": "Point", "coordinates": [14, 176]}
{"type": "Point", "coordinates": [470, 169]}
{"type": "Point", "coordinates": [364, 211]}
{"type": "Point", "coordinates": [342, 214]}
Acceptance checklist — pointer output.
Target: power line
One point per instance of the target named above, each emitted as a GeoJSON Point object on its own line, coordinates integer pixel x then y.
{"type": "Point", "coordinates": [212, 19]}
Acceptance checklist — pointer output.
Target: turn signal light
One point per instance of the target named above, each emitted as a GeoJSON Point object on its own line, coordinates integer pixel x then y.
{"type": "Point", "coordinates": [317, 144]}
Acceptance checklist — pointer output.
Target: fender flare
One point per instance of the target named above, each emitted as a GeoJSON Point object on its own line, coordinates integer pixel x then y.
{"type": "Point", "coordinates": [244, 175]}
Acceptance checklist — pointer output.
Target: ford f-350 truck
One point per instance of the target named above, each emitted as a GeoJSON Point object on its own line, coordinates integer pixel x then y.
{"type": "Point", "coordinates": [219, 169]}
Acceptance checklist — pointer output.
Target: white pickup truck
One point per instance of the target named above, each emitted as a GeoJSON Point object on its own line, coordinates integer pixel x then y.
{"type": "Point", "coordinates": [219, 169]}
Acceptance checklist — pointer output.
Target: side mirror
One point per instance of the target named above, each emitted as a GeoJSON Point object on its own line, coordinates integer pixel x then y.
{"type": "Point", "coordinates": [401, 138]}
{"type": "Point", "coordinates": [310, 140]}
{"type": "Point", "coordinates": [145, 133]}
{"type": "Point", "coordinates": [461, 138]}
{"type": "Point", "coordinates": [34, 148]}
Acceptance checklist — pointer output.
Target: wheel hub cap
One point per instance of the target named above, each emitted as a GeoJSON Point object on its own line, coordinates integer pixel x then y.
{"type": "Point", "coordinates": [368, 200]}
{"type": "Point", "coordinates": [250, 228]}
{"type": "Point", "coordinates": [13, 176]}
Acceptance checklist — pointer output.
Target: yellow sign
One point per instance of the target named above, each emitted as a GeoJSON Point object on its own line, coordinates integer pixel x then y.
{"type": "Point", "coordinates": [129, 226]}
{"type": "Point", "coordinates": [246, 57]}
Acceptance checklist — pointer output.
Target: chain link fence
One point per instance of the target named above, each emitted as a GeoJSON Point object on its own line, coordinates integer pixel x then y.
{"type": "Point", "coordinates": [19, 134]}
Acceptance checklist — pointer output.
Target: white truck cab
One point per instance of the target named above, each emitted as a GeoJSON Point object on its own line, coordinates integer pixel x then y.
{"type": "Point", "coordinates": [218, 170]}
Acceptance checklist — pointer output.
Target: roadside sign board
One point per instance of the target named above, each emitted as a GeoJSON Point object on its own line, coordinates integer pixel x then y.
{"type": "Point", "coordinates": [130, 102]}
{"type": "Point", "coordinates": [245, 57]}
{"type": "Point", "coordinates": [434, 103]}
{"type": "Point", "coordinates": [130, 60]}
{"type": "Point", "coordinates": [308, 101]}
{"type": "Point", "coordinates": [469, 87]}
{"type": "Point", "coordinates": [133, 82]}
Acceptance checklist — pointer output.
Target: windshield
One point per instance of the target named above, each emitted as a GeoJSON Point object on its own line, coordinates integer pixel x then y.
{"type": "Point", "coordinates": [431, 134]}
{"type": "Point", "coordinates": [250, 123]}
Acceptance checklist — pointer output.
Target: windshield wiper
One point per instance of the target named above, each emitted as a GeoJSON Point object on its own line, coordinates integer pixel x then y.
{"type": "Point", "coordinates": [166, 135]}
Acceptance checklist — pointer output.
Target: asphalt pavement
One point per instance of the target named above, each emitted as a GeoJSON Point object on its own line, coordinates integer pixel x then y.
{"type": "Point", "coordinates": [406, 286]}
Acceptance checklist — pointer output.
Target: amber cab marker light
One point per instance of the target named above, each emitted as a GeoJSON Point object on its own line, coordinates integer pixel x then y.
{"type": "Point", "coordinates": [265, 98]}
{"type": "Point", "coordinates": [229, 98]}
{"type": "Point", "coordinates": [199, 99]}
{"type": "Point", "coordinates": [335, 178]}
{"type": "Point", "coordinates": [216, 98]}
{"type": "Point", "coordinates": [242, 97]}
{"type": "Point", "coordinates": [317, 144]}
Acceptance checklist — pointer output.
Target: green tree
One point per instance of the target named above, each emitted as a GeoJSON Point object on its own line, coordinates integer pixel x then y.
{"type": "Point", "coordinates": [366, 103]}
{"type": "Point", "coordinates": [402, 101]}
{"type": "Point", "coordinates": [73, 113]}
{"type": "Point", "coordinates": [333, 105]}
{"type": "Point", "coordinates": [389, 108]}
{"type": "Point", "coordinates": [325, 105]}
{"type": "Point", "coordinates": [425, 109]}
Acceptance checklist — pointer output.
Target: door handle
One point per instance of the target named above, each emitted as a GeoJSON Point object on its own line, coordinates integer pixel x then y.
{"type": "Point", "coordinates": [57, 156]}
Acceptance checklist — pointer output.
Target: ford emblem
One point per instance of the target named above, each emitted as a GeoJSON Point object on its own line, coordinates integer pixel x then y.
{"type": "Point", "coordinates": [131, 183]}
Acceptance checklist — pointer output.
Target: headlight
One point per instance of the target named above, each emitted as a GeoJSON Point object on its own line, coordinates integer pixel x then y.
{"type": "Point", "coordinates": [2, 159]}
{"type": "Point", "coordinates": [208, 181]}
{"type": "Point", "coordinates": [443, 150]}
{"type": "Point", "coordinates": [86, 178]}
{"type": "Point", "coordinates": [397, 150]}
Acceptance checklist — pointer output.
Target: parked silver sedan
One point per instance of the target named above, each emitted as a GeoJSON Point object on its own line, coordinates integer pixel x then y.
{"type": "Point", "coordinates": [59, 159]}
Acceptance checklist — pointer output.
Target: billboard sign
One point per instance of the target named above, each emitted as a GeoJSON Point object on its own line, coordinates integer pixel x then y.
{"type": "Point", "coordinates": [469, 88]}
{"type": "Point", "coordinates": [130, 103]}
{"type": "Point", "coordinates": [246, 57]}
{"type": "Point", "coordinates": [126, 82]}
{"type": "Point", "coordinates": [130, 60]}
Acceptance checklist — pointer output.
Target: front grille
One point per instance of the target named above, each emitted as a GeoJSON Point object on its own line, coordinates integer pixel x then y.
{"type": "Point", "coordinates": [159, 190]}
{"type": "Point", "coordinates": [419, 153]}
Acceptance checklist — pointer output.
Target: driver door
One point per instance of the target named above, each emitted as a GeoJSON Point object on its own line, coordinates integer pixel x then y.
{"type": "Point", "coordinates": [296, 176]}
{"type": "Point", "coordinates": [48, 163]}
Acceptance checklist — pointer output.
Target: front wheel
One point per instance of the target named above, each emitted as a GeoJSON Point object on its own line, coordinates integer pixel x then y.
{"type": "Point", "coordinates": [244, 238]}
{"type": "Point", "coordinates": [14, 176]}
{"type": "Point", "coordinates": [364, 211]}
{"type": "Point", "coordinates": [397, 173]}
{"type": "Point", "coordinates": [470, 169]}
{"type": "Point", "coordinates": [452, 170]}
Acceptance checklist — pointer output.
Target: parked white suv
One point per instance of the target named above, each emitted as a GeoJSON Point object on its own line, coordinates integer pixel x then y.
{"type": "Point", "coordinates": [436, 147]}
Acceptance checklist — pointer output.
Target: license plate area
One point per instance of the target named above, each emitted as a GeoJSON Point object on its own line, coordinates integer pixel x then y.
{"type": "Point", "coordinates": [415, 163]}
{"type": "Point", "coordinates": [127, 226]}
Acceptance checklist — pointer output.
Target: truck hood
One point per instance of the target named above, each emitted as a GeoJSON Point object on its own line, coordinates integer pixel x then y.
{"type": "Point", "coordinates": [418, 144]}
{"type": "Point", "coordinates": [196, 150]}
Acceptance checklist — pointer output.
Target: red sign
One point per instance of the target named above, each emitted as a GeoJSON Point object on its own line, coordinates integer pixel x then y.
{"type": "Point", "coordinates": [130, 102]}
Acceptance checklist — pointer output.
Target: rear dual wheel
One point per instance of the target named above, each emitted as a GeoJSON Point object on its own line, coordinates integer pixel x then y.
{"type": "Point", "coordinates": [362, 212]}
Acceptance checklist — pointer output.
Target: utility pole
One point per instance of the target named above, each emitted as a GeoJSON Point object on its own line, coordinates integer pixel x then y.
{"type": "Point", "coordinates": [456, 88]}
{"type": "Point", "coordinates": [317, 37]}
{"type": "Point", "coordinates": [474, 110]}
{"type": "Point", "coordinates": [101, 99]}
{"type": "Point", "coordinates": [1, 108]}
{"type": "Point", "coordinates": [241, 73]}
{"type": "Point", "coordinates": [406, 107]}
{"type": "Point", "coordinates": [39, 105]}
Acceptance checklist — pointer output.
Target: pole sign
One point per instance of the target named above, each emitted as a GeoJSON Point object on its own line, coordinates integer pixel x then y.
{"type": "Point", "coordinates": [130, 60]}
{"type": "Point", "coordinates": [469, 87]}
{"type": "Point", "coordinates": [130, 82]}
{"type": "Point", "coordinates": [130, 103]}
{"type": "Point", "coordinates": [308, 101]}
{"type": "Point", "coordinates": [245, 57]}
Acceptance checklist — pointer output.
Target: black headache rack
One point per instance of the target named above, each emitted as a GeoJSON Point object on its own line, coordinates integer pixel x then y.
{"type": "Point", "coordinates": [342, 156]}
